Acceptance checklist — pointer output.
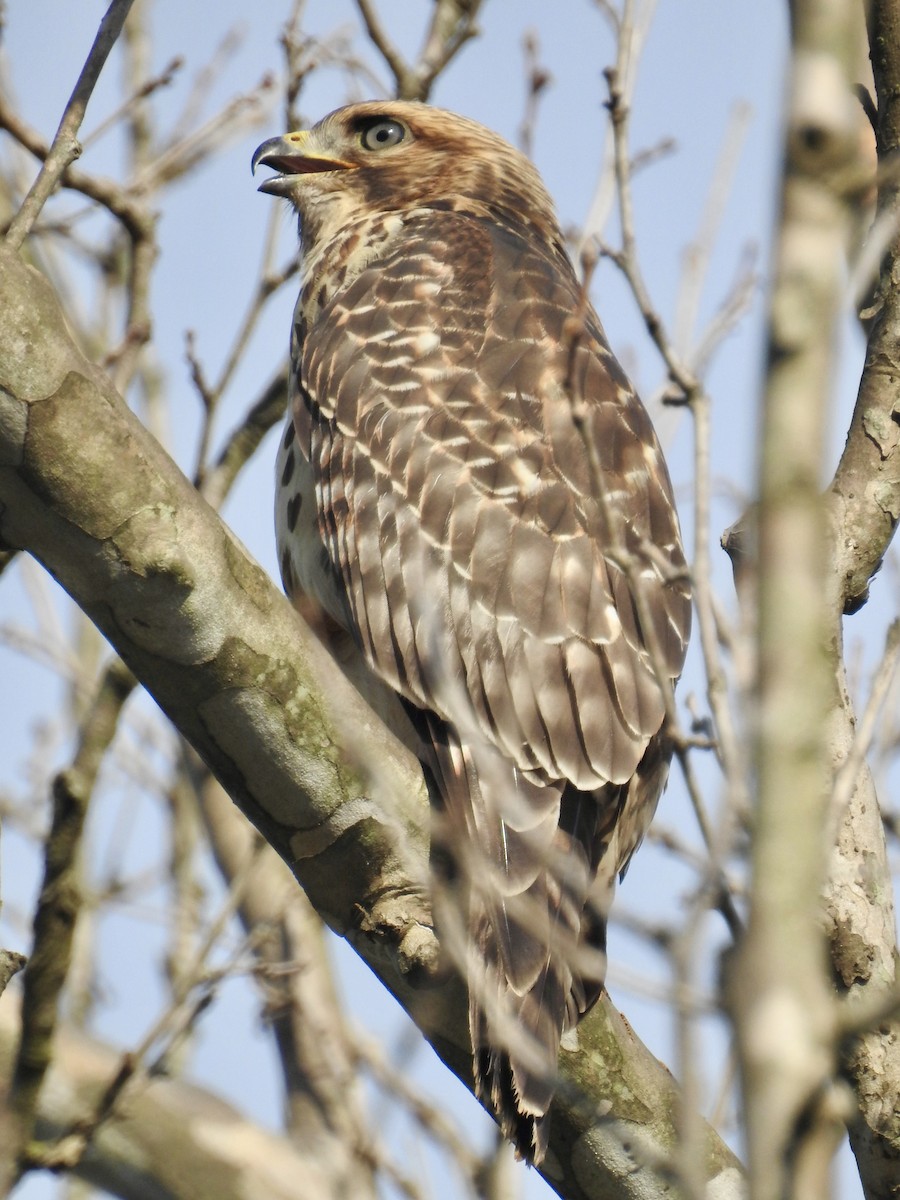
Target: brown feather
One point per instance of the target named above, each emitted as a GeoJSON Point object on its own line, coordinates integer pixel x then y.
{"type": "Point", "coordinates": [440, 506]}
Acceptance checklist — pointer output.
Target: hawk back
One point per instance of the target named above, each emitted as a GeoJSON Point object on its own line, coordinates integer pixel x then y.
{"type": "Point", "coordinates": [450, 521]}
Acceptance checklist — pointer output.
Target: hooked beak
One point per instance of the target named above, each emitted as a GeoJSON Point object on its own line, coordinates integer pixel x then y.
{"type": "Point", "coordinates": [292, 155]}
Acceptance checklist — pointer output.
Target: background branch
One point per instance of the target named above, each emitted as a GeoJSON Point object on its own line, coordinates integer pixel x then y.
{"type": "Point", "coordinates": [866, 485]}
{"type": "Point", "coordinates": [64, 148]}
{"type": "Point", "coordinates": [211, 1151]}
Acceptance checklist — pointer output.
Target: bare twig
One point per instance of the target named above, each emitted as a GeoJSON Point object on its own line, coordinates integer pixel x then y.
{"type": "Point", "coordinates": [243, 112]}
{"type": "Point", "coordinates": [114, 198]}
{"type": "Point", "coordinates": [186, 890]}
{"type": "Point", "coordinates": [164, 79]}
{"type": "Point", "coordinates": [537, 80]}
{"type": "Point", "coordinates": [65, 148]}
{"type": "Point", "coordinates": [209, 402]}
{"type": "Point", "coordinates": [631, 29]}
{"type": "Point", "coordinates": [432, 1119]}
{"type": "Point", "coordinates": [694, 394]}
{"type": "Point", "coordinates": [193, 995]}
{"type": "Point", "coordinates": [203, 84]}
{"type": "Point", "coordinates": [735, 304]}
{"type": "Point", "coordinates": [452, 25]}
{"type": "Point", "coordinates": [60, 900]}
{"type": "Point", "coordinates": [269, 410]}
{"type": "Point", "coordinates": [699, 253]}
{"type": "Point", "coordinates": [385, 47]}
{"type": "Point", "coordinates": [627, 259]}
{"type": "Point", "coordinates": [297, 59]}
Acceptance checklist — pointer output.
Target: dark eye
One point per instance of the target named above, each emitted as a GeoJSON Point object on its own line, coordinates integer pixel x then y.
{"type": "Point", "coordinates": [382, 134]}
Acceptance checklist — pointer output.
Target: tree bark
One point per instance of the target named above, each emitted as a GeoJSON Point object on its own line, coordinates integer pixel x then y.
{"type": "Point", "coordinates": [171, 1140]}
{"type": "Point", "coordinates": [815, 561]}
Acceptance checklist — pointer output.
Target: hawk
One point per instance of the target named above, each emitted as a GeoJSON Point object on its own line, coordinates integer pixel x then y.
{"type": "Point", "coordinates": [473, 497]}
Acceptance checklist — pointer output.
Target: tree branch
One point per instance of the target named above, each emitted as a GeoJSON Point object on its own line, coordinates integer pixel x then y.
{"type": "Point", "coordinates": [866, 485]}
{"type": "Point", "coordinates": [786, 1014]}
{"type": "Point", "coordinates": [174, 1139]}
{"type": "Point", "coordinates": [59, 904]}
{"type": "Point", "coordinates": [323, 1097]}
{"type": "Point", "coordinates": [65, 148]}
{"type": "Point", "coordinates": [11, 962]}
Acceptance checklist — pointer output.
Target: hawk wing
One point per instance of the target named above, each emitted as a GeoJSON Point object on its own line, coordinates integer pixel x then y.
{"type": "Point", "coordinates": [455, 497]}
{"type": "Point", "coordinates": [470, 557]}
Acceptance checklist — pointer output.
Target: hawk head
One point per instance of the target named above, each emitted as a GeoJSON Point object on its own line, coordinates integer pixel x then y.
{"type": "Point", "coordinates": [394, 156]}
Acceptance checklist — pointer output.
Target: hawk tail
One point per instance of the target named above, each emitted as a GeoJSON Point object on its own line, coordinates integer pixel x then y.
{"type": "Point", "coordinates": [543, 956]}
{"type": "Point", "coordinates": [522, 861]}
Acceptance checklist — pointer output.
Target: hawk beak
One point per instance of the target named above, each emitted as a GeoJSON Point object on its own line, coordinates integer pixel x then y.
{"type": "Point", "coordinates": [292, 155]}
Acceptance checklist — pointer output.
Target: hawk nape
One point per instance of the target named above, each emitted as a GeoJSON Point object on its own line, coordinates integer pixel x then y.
{"type": "Point", "coordinates": [440, 507]}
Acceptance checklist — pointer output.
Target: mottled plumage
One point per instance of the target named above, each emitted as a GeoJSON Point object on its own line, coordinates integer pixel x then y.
{"type": "Point", "coordinates": [437, 501]}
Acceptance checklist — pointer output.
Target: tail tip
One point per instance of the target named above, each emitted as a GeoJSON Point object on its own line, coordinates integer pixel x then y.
{"type": "Point", "coordinates": [525, 1124]}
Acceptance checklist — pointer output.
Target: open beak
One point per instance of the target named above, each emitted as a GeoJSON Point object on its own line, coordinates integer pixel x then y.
{"type": "Point", "coordinates": [292, 155]}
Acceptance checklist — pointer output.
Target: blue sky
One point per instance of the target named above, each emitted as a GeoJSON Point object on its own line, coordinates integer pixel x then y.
{"type": "Point", "coordinates": [702, 59]}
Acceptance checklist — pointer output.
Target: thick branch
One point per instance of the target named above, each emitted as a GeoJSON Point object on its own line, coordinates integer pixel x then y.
{"type": "Point", "coordinates": [86, 489]}
{"type": "Point", "coordinates": [866, 494]}
{"type": "Point", "coordinates": [173, 1140]}
{"type": "Point", "coordinates": [863, 942]}
{"type": "Point", "coordinates": [866, 485]}
{"type": "Point", "coordinates": [785, 1014]}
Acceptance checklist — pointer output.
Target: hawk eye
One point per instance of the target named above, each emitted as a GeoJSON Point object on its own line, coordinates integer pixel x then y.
{"type": "Point", "coordinates": [382, 134]}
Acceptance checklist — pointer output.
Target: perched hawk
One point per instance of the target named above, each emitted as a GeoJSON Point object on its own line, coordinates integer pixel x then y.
{"type": "Point", "coordinates": [441, 504]}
